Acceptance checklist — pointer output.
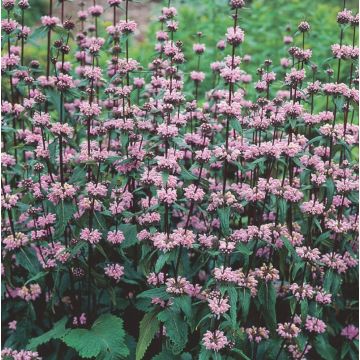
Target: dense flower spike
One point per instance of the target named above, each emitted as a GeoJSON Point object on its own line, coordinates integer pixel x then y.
{"type": "Point", "coordinates": [191, 207]}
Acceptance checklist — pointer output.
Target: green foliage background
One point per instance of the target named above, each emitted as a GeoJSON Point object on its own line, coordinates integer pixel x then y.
{"type": "Point", "coordinates": [264, 23]}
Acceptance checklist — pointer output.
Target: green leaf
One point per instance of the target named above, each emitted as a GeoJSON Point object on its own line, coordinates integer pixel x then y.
{"type": "Point", "coordinates": [149, 325]}
{"type": "Point", "coordinates": [40, 31]}
{"type": "Point", "coordinates": [267, 299]}
{"type": "Point", "coordinates": [241, 353]}
{"type": "Point", "coordinates": [282, 210]}
{"type": "Point", "coordinates": [204, 354]}
{"type": "Point", "coordinates": [184, 303]}
{"type": "Point", "coordinates": [235, 124]}
{"type": "Point", "coordinates": [156, 292]}
{"type": "Point", "coordinates": [244, 301]}
{"type": "Point", "coordinates": [289, 246]}
{"type": "Point", "coordinates": [324, 349]}
{"type": "Point", "coordinates": [38, 276]}
{"type": "Point", "coordinates": [161, 261]}
{"type": "Point", "coordinates": [224, 216]}
{"type": "Point", "coordinates": [78, 176]}
{"type": "Point", "coordinates": [243, 249]}
{"type": "Point", "coordinates": [165, 177]}
{"type": "Point", "coordinates": [233, 295]}
{"type": "Point", "coordinates": [164, 355]}
{"type": "Point", "coordinates": [64, 212]}
{"type": "Point", "coordinates": [27, 259]}
{"type": "Point", "coordinates": [84, 342]}
{"type": "Point", "coordinates": [330, 190]}
{"type": "Point", "coordinates": [57, 332]}
{"type": "Point", "coordinates": [339, 102]}
{"type": "Point", "coordinates": [186, 175]}
{"type": "Point", "coordinates": [332, 282]}
{"type": "Point", "coordinates": [304, 309]}
{"type": "Point", "coordinates": [105, 339]}
{"type": "Point", "coordinates": [167, 355]}
{"type": "Point", "coordinates": [130, 233]}
{"type": "Point", "coordinates": [344, 350]}
{"type": "Point", "coordinates": [176, 329]}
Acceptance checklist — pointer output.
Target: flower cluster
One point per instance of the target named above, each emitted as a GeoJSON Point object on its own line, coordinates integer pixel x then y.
{"type": "Point", "coordinates": [188, 211]}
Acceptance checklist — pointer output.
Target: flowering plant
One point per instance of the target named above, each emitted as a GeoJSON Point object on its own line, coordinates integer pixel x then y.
{"type": "Point", "coordinates": [144, 221]}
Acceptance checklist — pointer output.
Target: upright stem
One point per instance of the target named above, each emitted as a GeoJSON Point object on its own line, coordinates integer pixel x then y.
{"type": "Point", "coordinates": [22, 38]}
{"type": "Point", "coordinates": [49, 45]}
{"type": "Point", "coordinates": [60, 141]}
{"type": "Point", "coordinates": [229, 103]}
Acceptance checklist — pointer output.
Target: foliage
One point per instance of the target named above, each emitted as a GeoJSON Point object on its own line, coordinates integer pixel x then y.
{"type": "Point", "coordinates": [196, 199]}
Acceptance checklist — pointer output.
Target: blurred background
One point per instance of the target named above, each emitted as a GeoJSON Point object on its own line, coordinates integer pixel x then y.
{"type": "Point", "coordinates": [265, 24]}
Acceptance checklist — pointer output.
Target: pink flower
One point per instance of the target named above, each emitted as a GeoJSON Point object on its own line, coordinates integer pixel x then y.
{"type": "Point", "coordinates": [30, 293]}
{"type": "Point", "coordinates": [12, 243]}
{"type": "Point", "coordinates": [197, 76]}
{"type": "Point", "coordinates": [307, 253]}
{"type": "Point", "coordinates": [322, 297]}
{"type": "Point", "coordinates": [90, 110]}
{"type": "Point", "coordinates": [230, 75]}
{"type": "Point", "coordinates": [257, 334]}
{"type": "Point", "coordinates": [50, 21]}
{"type": "Point", "coordinates": [192, 192]}
{"type": "Point", "coordinates": [177, 286]}
{"type": "Point", "coordinates": [139, 82]}
{"type": "Point", "coordinates": [183, 237]}
{"type": "Point", "coordinates": [351, 332]}
{"type": "Point", "coordinates": [304, 291]}
{"type": "Point", "coordinates": [235, 36]}
{"type": "Point", "coordinates": [115, 237]}
{"type": "Point", "coordinates": [156, 279]}
{"type": "Point", "coordinates": [294, 77]}
{"type": "Point", "coordinates": [127, 27]}
{"type": "Point", "coordinates": [12, 325]}
{"type": "Point", "coordinates": [114, 271]}
{"type": "Point", "coordinates": [215, 340]}
{"type": "Point", "coordinates": [313, 324]}
{"type": "Point", "coordinates": [218, 305]}
{"type": "Point", "coordinates": [199, 48]}
{"type": "Point", "coordinates": [8, 25]}
{"type": "Point", "coordinates": [91, 236]}
{"type": "Point", "coordinates": [169, 12]}
{"type": "Point", "coordinates": [267, 273]}
{"type": "Point", "coordinates": [288, 330]}
{"type": "Point", "coordinates": [167, 196]}
{"type": "Point", "coordinates": [96, 10]}
{"type": "Point", "coordinates": [312, 207]}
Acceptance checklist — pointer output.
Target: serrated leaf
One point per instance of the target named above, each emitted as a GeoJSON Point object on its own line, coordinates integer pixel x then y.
{"type": "Point", "coordinates": [235, 124]}
{"type": "Point", "coordinates": [176, 329]}
{"type": "Point", "coordinates": [324, 349]}
{"type": "Point", "coordinates": [224, 216]}
{"type": "Point", "coordinates": [130, 233]}
{"type": "Point", "coordinates": [184, 303]}
{"type": "Point", "coordinates": [104, 339]}
{"type": "Point", "coordinates": [38, 276]}
{"type": "Point", "coordinates": [267, 299]}
{"type": "Point", "coordinates": [330, 190]}
{"type": "Point", "coordinates": [186, 175]}
{"type": "Point", "coordinates": [64, 212]}
{"type": "Point", "coordinates": [84, 342]}
{"type": "Point", "coordinates": [156, 292]}
{"type": "Point", "coordinates": [56, 332]}
{"type": "Point", "coordinates": [204, 354]}
{"type": "Point", "coordinates": [241, 353]}
{"type": "Point", "coordinates": [149, 325]}
{"type": "Point", "coordinates": [78, 176]}
{"type": "Point", "coordinates": [161, 261]}
{"type": "Point", "coordinates": [233, 296]}
{"type": "Point", "coordinates": [244, 301]}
